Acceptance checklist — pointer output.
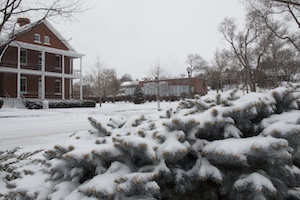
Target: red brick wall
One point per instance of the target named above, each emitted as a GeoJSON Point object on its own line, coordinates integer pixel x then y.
{"type": "Point", "coordinates": [67, 65]}
{"type": "Point", "coordinates": [42, 30]}
{"type": "Point", "coordinates": [9, 84]}
{"type": "Point", "coordinates": [10, 58]}
{"type": "Point", "coordinates": [32, 60]}
{"type": "Point", "coordinates": [11, 55]}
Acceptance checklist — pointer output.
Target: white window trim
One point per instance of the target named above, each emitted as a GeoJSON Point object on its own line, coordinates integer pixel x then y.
{"type": "Point", "coordinates": [57, 81]}
{"type": "Point", "coordinates": [23, 78]}
{"type": "Point", "coordinates": [24, 63]}
{"type": "Point", "coordinates": [45, 40]}
{"type": "Point", "coordinates": [39, 40]}
{"type": "Point", "coordinates": [58, 56]}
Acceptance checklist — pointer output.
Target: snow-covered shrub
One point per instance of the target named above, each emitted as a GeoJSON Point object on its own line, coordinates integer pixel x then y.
{"type": "Point", "coordinates": [38, 104]}
{"type": "Point", "coordinates": [209, 148]}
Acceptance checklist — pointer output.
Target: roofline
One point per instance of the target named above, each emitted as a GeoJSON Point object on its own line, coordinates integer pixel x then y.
{"type": "Point", "coordinates": [46, 49]}
{"type": "Point", "coordinates": [172, 79]}
{"type": "Point", "coordinates": [26, 27]}
{"type": "Point", "coordinates": [62, 39]}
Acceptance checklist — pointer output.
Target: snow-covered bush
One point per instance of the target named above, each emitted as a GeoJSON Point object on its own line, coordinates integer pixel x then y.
{"type": "Point", "coordinates": [209, 148]}
{"type": "Point", "coordinates": [38, 104]}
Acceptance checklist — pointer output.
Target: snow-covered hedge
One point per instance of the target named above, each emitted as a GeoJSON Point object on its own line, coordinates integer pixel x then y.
{"type": "Point", "coordinates": [224, 147]}
{"type": "Point", "coordinates": [33, 104]}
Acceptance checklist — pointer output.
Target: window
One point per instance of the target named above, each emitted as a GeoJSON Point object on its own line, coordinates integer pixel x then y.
{"type": "Point", "coordinates": [57, 87]}
{"type": "Point", "coordinates": [23, 56]}
{"type": "Point", "coordinates": [57, 61]}
{"type": "Point", "coordinates": [23, 84]}
{"type": "Point", "coordinates": [37, 38]}
{"type": "Point", "coordinates": [40, 60]}
{"type": "Point", "coordinates": [47, 40]}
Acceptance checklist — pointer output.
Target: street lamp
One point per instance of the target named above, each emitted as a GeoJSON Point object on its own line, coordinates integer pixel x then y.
{"type": "Point", "coordinates": [157, 94]}
{"type": "Point", "coordinates": [189, 71]}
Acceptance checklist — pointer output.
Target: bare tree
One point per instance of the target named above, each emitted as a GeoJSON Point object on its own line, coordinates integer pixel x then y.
{"type": "Point", "coordinates": [158, 72]}
{"type": "Point", "coordinates": [220, 63]}
{"type": "Point", "coordinates": [101, 81]}
{"type": "Point", "coordinates": [126, 77]}
{"type": "Point", "coordinates": [11, 10]}
{"type": "Point", "coordinates": [281, 64]}
{"type": "Point", "coordinates": [114, 85]}
{"type": "Point", "coordinates": [195, 63]}
{"type": "Point", "coordinates": [286, 13]}
{"type": "Point", "coordinates": [249, 45]}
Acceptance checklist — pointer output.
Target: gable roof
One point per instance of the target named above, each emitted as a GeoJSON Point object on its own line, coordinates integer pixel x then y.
{"type": "Point", "coordinates": [25, 28]}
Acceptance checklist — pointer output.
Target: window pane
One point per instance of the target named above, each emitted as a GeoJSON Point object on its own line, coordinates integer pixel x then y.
{"type": "Point", "coordinates": [23, 84]}
{"type": "Point", "coordinates": [57, 61]}
{"type": "Point", "coordinates": [23, 56]}
{"type": "Point", "coordinates": [37, 38]}
{"type": "Point", "coordinates": [57, 86]}
{"type": "Point", "coordinates": [46, 40]}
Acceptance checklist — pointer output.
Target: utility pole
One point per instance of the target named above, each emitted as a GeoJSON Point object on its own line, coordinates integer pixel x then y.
{"type": "Point", "coordinates": [189, 77]}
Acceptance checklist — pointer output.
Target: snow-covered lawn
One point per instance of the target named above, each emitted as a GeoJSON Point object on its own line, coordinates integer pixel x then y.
{"type": "Point", "coordinates": [35, 129]}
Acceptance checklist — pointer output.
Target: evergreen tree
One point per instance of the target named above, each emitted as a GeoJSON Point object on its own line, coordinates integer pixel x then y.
{"type": "Point", "coordinates": [138, 96]}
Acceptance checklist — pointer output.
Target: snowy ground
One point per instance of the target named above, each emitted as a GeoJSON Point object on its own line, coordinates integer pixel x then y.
{"type": "Point", "coordinates": [35, 129]}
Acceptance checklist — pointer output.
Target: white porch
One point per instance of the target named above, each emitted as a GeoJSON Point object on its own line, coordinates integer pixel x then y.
{"type": "Point", "coordinates": [42, 73]}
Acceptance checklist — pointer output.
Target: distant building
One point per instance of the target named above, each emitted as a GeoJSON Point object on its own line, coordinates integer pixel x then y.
{"type": "Point", "coordinates": [127, 87]}
{"type": "Point", "coordinates": [167, 87]}
{"type": "Point", "coordinates": [39, 63]}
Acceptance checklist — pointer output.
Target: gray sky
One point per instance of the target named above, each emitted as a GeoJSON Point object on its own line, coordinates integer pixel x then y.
{"type": "Point", "coordinates": [132, 35]}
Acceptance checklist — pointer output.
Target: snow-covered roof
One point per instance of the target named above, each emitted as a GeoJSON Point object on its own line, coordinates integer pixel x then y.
{"type": "Point", "coordinates": [128, 83]}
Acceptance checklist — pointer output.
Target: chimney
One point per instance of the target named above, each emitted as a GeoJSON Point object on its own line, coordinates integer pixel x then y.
{"type": "Point", "coordinates": [23, 21]}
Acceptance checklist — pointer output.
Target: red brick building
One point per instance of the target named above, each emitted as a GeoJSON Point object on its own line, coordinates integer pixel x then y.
{"type": "Point", "coordinates": [39, 64]}
{"type": "Point", "coordinates": [175, 87]}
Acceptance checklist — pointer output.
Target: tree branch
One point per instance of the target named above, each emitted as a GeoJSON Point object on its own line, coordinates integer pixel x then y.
{"type": "Point", "coordinates": [287, 2]}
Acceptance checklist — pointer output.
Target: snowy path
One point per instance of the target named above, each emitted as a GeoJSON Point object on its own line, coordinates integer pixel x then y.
{"type": "Point", "coordinates": [35, 129]}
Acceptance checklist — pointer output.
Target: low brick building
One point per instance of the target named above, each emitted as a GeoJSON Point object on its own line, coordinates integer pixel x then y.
{"type": "Point", "coordinates": [177, 87]}
{"type": "Point", "coordinates": [39, 63]}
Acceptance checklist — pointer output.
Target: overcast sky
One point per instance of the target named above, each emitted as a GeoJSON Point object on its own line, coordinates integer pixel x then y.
{"type": "Point", "coordinates": [132, 35]}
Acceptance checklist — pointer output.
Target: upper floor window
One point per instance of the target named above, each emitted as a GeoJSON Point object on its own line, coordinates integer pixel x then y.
{"type": "Point", "coordinates": [57, 62]}
{"type": "Point", "coordinates": [37, 38]}
{"type": "Point", "coordinates": [23, 56]}
{"type": "Point", "coordinates": [47, 40]}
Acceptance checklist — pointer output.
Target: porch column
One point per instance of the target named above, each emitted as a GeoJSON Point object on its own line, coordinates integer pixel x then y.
{"type": "Point", "coordinates": [70, 80]}
{"type": "Point", "coordinates": [81, 78]}
{"type": "Point", "coordinates": [63, 78]}
{"type": "Point", "coordinates": [43, 74]}
{"type": "Point", "coordinates": [70, 88]}
{"type": "Point", "coordinates": [19, 74]}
